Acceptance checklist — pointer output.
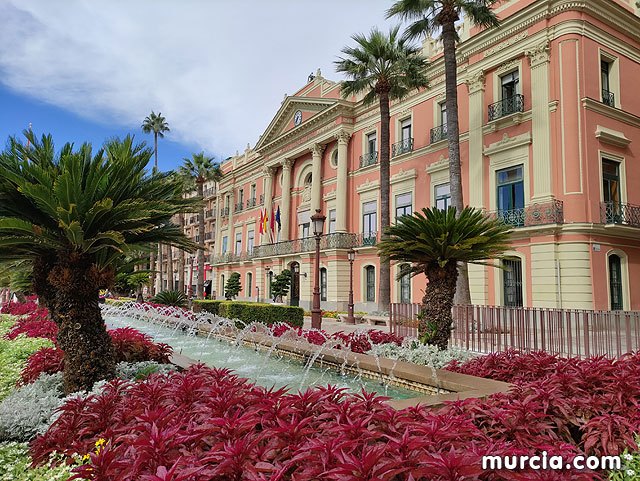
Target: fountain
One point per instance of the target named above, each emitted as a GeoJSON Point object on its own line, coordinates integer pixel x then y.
{"type": "Point", "coordinates": [254, 352]}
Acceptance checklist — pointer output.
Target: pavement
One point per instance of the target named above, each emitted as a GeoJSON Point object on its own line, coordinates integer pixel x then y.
{"type": "Point", "coordinates": [334, 325]}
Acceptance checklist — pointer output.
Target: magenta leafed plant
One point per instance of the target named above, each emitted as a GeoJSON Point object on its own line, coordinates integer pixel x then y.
{"type": "Point", "coordinates": [36, 324]}
{"type": "Point", "coordinates": [47, 360]}
{"type": "Point", "coordinates": [207, 424]}
{"type": "Point", "coordinates": [18, 308]}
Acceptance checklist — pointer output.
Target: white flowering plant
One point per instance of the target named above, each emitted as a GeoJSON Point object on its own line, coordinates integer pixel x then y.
{"type": "Point", "coordinates": [415, 352]}
{"type": "Point", "coordinates": [630, 466]}
{"type": "Point", "coordinates": [15, 465]}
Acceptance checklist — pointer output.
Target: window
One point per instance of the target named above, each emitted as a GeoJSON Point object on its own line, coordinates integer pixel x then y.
{"type": "Point", "coordinates": [370, 277]}
{"type": "Point", "coordinates": [510, 195]}
{"type": "Point", "coordinates": [442, 195]}
{"type": "Point", "coordinates": [405, 129]}
{"type": "Point", "coordinates": [240, 196]}
{"type": "Point", "coordinates": [249, 284]}
{"type": "Point", "coordinates": [372, 143]}
{"type": "Point", "coordinates": [250, 239]}
{"type": "Point", "coordinates": [611, 191]}
{"type": "Point", "coordinates": [334, 158]}
{"type": "Point", "coordinates": [403, 205]}
{"type": "Point", "coordinates": [221, 285]}
{"type": "Point", "coordinates": [323, 284]}
{"type": "Point", "coordinates": [253, 191]}
{"type": "Point", "coordinates": [607, 94]}
{"type": "Point", "coordinates": [615, 282]}
{"type": "Point", "coordinates": [225, 243]}
{"type": "Point", "coordinates": [304, 224]}
{"type": "Point", "coordinates": [227, 201]}
{"type": "Point", "coordinates": [306, 230]}
{"type": "Point", "coordinates": [332, 221]}
{"type": "Point", "coordinates": [270, 282]}
{"type": "Point", "coordinates": [509, 85]}
{"type": "Point", "coordinates": [405, 285]}
{"type": "Point", "coordinates": [369, 221]}
{"type": "Point", "coordinates": [238, 248]}
{"type": "Point", "coordinates": [443, 115]}
{"type": "Point", "coordinates": [512, 282]}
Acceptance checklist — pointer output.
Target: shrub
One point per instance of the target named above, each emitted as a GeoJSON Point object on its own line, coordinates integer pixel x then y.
{"type": "Point", "coordinates": [630, 466]}
{"type": "Point", "coordinates": [47, 360]}
{"type": "Point", "coordinates": [16, 465]}
{"type": "Point", "coordinates": [418, 353]}
{"type": "Point", "coordinates": [133, 346]}
{"type": "Point", "coordinates": [135, 371]}
{"type": "Point", "coordinates": [36, 324]}
{"type": "Point", "coordinates": [170, 298]}
{"type": "Point", "coordinates": [280, 285]}
{"type": "Point", "coordinates": [248, 312]}
{"type": "Point", "coordinates": [18, 308]}
{"type": "Point", "coordinates": [233, 286]}
{"type": "Point", "coordinates": [212, 306]}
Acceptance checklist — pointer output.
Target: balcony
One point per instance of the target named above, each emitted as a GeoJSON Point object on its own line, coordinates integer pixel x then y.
{"type": "Point", "coordinates": [225, 259]}
{"type": "Point", "coordinates": [224, 212]}
{"type": "Point", "coordinates": [210, 192]}
{"type": "Point", "coordinates": [506, 106]}
{"type": "Point", "coordinates": [608, 98]}
{"type": "Point", "coordinates": [367, 239]}
{"type": "Point", "coordinates": [619, 213]}
{"type": "Point", "coordinates": [337, 240]}
{"type": "Point", "coordinates": [208, 236]}
{"type": "Point", "coordinates": [438, 133]}
{"type": "Point", "coordinates": [532, 215]}
{"type": "Point", "coordinates": [208, 214]}
{"type": "Point", "coordinates": [238, 207]}
{"type": "Point", "coordinates": [261, 199]}
{"type": "Point", "coordinates": [251, 203]}
{"type": "Point", "coordinates": [369, 158]}
{"type": "Point", "coordinates": [402, 147]}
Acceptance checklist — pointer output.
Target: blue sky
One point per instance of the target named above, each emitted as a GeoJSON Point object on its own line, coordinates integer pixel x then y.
{"type": "Point", "coordinates": [217, 70]}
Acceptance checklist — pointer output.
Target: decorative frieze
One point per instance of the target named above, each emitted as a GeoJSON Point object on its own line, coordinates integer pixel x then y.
{"type": "Point", "coordinates": [506, 43]}
{"type": "Point", "coordinates": [539, 54]}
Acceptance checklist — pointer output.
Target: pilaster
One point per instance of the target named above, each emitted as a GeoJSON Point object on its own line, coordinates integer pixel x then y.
{"type": "Point", "coordinates": [285, 204]}
{"type": "Point", "coordinates": [341, 187]}
{"type": "Point", "coordinates": [476, 85]}
{"type": "Point", "coordinates": [268, 199]}
{"type": "Point", "coordinates": [316, 177]}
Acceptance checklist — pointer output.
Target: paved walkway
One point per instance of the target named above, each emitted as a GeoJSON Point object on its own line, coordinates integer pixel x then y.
{"type": "Point", "coordinates": [334, 325]}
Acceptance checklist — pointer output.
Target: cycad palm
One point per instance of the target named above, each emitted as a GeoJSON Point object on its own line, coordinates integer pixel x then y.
{"type": "Point", "coordinates": [200, 169]}
{"type": "Point", "coordinates": [433, 242]}
{"type": "Point", "coordinates": [385, 68]}
{"type": "Point", "coordinates": [74, 215]}
{"type": "Point", "coordinates": [427, 17]}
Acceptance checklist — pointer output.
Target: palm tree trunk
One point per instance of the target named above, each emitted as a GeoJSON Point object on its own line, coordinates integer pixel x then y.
{"type": "Point", "coordinates": [200, 282]}
{"type": "Point", "coordinates": [161, 268]}
{"type": "Point", "coordinates": [181, 258]}
{"type": "Point", "coordinates": [82, 334]}
{"type": "Point", "coordinates": [435, 318]}
{"type": "Point", "coordinates": [155, 150]}
{"type": "Point", "coordinates": [152, 268]}
{"type": "Point", "coordinates": [384, 293]}
{"type": "Point", "coordinates": [463, 295]}
{"type": "Point", "coordinates": [171, 285]}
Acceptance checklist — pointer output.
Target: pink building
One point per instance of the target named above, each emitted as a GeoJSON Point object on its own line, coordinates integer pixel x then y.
{"type": "Point", "coordinates": [550, 132]}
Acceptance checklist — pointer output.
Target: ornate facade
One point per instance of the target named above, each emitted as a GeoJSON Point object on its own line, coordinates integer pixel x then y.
{"type": "Point", "coordinates": [550, 132]}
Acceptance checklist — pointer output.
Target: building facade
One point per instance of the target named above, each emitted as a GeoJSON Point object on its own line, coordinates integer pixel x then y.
{"type": "Point", "coordinates": [550, 132]}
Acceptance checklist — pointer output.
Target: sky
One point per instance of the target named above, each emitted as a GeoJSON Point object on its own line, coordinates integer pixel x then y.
{"type": "Point", "coordinates": [218, 70]}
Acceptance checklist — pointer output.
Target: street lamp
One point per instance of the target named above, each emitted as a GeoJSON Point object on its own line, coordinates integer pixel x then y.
{"type": "Point", "coordinates": [318, 227]}
{"type": "Point", "coordinates": [351, 255]}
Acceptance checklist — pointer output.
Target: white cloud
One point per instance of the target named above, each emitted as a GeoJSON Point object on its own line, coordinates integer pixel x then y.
{"type": "Point", "coordinates": [217, 70]}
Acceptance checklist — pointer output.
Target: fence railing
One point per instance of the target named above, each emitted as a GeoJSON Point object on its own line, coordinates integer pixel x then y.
{"type": "Point", "coordinates": [337, 240]}
{"type": "Point", "coordinates": [507, 106]}
{"type": "Point", "coordinates": [402, 147]}
{"type": "Point", "coordinates": [566, 332]}
{"type": "Point", "coordinates": [608, 98]}
{"type": "Point", "coordinates": [369, 158]}
{"type": "Point", "coordinates": [438, 133]}
{"type": "Point", "coordinates": [534, 214]}
{"type": "Point", "coordinates": [619, 213]}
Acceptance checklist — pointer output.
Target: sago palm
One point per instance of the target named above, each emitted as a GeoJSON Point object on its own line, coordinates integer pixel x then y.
{"type": "Point", "coordinates": [74, 214]}
{"type": "Point", "coordinates": [427, 17]}
{"type": "Point", "coordinates": [200, 169]}
{"type": "Point", "coordinates": [433, 243]}
{"type": "Point", "coordinates": [384, 67]}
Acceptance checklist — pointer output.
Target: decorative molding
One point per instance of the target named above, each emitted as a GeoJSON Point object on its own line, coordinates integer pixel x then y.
{"type": "Point", "coordinates": [343, 137]}
{"type": "Point", "coordinates": [330, 195]}
{"type": "Point", "coordinates": [287, 164]}
{"type": "Point", "coordinates": [507, 143]}
{"type": "Point", "coordinates": [612, 137]}
{"type": "Point", "coordinates": [510, 65]}
{"type": "Point", "coordinates": [475, 82]}
{"type": "Point", "coordinates": [268, 170]}
{"type": "Point", "coordinates": [368, 185]}
{"type": "Point", "coordinates": [506, 43]}
{"type": "Point", "coordinates": [440, 97]}
{"type": "Point", "coordinates": [403, 175]}
{"type": "Point", "coordinates": [539, 55]}
{"type": "Point", "coordinates": [441, 164]}
{"type": "Point", "coordinates": [611, 112]}
{"type": "Point", "coordinates": [317, 149]}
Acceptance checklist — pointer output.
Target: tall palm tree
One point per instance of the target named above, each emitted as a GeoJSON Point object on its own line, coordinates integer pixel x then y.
{"type": "Point", "coordinates": [385, 68]}
{"type": "Point", "coordinates": [428, 17]}
{"type": "Point", "coordinates": [74, 214]}
{"type": "Point", "coordinates": [200, 169]}
{"type": "Point", "coordinates": [434, 242]}
{"type": "Point", "coordinates": [157, 124]}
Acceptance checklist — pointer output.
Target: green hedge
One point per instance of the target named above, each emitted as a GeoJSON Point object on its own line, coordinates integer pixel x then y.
{"type": "Point", "coordinates": [252, 311]}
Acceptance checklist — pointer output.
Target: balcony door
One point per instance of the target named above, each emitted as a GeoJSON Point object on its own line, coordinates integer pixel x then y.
{"type": "Point", "coordinates": [510, 195]}
{"type": "Point", "coordinates": [611, 191]}
{"type": "Point", "coordinates": [294, 296]}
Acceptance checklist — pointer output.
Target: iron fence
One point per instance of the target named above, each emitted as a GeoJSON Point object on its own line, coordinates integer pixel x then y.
{"type": "Point", "coordinates": [402, 147]}
{"type": "Point", "coordinates": [369, 158]}
{"type": "Point", "coordinates": [532, 215]}
{"type": "Point", "coordinates": [438, 133]}
{"type": "Point", "coordinates": [507, 106]}
{"type": "Point", "coordinates": [608, 98]}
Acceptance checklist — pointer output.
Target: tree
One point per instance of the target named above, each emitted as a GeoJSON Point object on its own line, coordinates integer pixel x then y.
{"type": "Point", "coordinates": [434, 242]}
{"type": "Point", "coordinates": [386, 68]}
{"type": "Point", "coordinates": [427, 17]}
{"type": "Point", "coordinates": [158, 125]}
{"type": "Point", "coordinates": [232, 287]}
{"type": "Point", "coordinates": [74, 214]}
{"type": "Point", "coordinates": [200, 169]}
{"type": "Point", "coordinates": [280, 285]}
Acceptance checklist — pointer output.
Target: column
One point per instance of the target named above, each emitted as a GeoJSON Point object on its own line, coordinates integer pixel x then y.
{"type": "Point", "coordinates": [540, 123]}
{"type": "Point", "coordinates": [285, 204]}
{"type": "Point", "coordinates": [268, 199]}
{"type": "Point", "coordinates": [341, 187]}
{"type": "Point", "coordinates": [316, 178]}
{"type": "Point", "coordinates": [476, 158]}
{"type": "Point", "coordinates": [230, 241]}
{"type": "Point", "coordinates": [219, 207]}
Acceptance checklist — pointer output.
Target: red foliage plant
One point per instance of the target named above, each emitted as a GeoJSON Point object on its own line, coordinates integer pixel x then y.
{"type": "Point", "coordinates": [36, 324]}
{"type": "Point", "coordinates": [47, 360]}
{"type": "Point", "coordinates": [18, 308]}
{"type": "Point", "coordinates": [207, 424]}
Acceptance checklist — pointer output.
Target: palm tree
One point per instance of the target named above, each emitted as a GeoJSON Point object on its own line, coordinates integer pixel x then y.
{"type": "Point", "coordinates": [74, 215]}
{"type": "Point", "coordinates": [434, 242]}
{"type": "Point", "coordinates": [427, 17]}
{"type": "Point", "coordinates": [385, 68]}
{"type": "Point", "coordinates": [200, 169]}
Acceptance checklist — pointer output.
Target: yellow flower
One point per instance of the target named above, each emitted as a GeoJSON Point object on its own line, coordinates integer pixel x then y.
{"type": "Point", "coordinates": [100, 442]}
{"type": "Point", "coordinates": [86, 457]}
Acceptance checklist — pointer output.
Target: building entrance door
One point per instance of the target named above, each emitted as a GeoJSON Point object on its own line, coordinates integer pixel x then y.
{"type": "Point", "coordinates": [294, 294]}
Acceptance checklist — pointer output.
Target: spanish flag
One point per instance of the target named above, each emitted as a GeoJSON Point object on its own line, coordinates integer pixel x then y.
{"type": "Point", "coordinates": [261, 228]}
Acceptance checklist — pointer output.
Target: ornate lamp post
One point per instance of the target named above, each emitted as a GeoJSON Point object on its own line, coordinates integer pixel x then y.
{"type": "Point", "coordinates": [318, 228]}
{"type": "Point", "coordinates": [351, 255]}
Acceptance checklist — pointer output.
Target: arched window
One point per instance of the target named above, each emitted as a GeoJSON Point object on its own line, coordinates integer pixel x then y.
{"type": "Point", "coordinates": [370, 278]}
{"type": "Point", "coordinates": [405, 284]}
{"type": "Point", "coordinates": [323, 284]}
{"type": "Point", "coordinates": [512, 282]}
{"type": "Point", "coordinates": [615, 282]}
{"type": "Point", "coordinates": [249, 284]}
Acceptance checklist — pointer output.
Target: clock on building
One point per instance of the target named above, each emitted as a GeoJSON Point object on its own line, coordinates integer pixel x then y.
{"type": "Point", "coordinates": [297, 118]}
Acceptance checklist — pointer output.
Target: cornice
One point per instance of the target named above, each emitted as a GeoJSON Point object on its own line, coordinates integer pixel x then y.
{"type": "Point", "coordinates": [507, 143]}
{"type": "Point", "coordinates": [611, 112]}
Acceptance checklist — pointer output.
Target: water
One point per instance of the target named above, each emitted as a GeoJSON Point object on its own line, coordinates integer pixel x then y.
{"type": "Point", "coordinates": [265, 366]}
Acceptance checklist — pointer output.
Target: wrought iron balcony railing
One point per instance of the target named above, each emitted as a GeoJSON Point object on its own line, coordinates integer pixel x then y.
{"type": "Point", "coordinates": [208, 236]}
{"type": "Point", "coordinates": [608, 98]}
{"type": "Point", "coordinates": [251, 203]}
{"type": "Point", "coordinates": [210, 192]}
{"type": "Point", "coordinates": [208, 214]}
{"type": "Point", "coordinates": [507, 106]}
{"type": "Point", "coordinates": [532, 215]}
{"type": "Point", "coordinates": [238, 207]}
{"type": "Point", "coordinates": [337, 240]}
{"type": "Point", "coordinates": [438, 133]}
{"type": "Point", "coordinates": [367, 239]}
{"type": "Point", "coordinates": [261, 199]}
{"type": "Point", "coordinates": [369, 158]}
{"type": "Point", "coordinates": [619, 213]}
{"type": "Point", "coordinates": [224, 212]}
{"type": "Point", "coordinates": [225, 259]}
{"type": "Point", "coordinates": [402, 147]}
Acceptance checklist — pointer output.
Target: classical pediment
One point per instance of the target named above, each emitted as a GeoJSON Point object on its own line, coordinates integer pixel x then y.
{"type": "Point", "coordinates": [284, 122]}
